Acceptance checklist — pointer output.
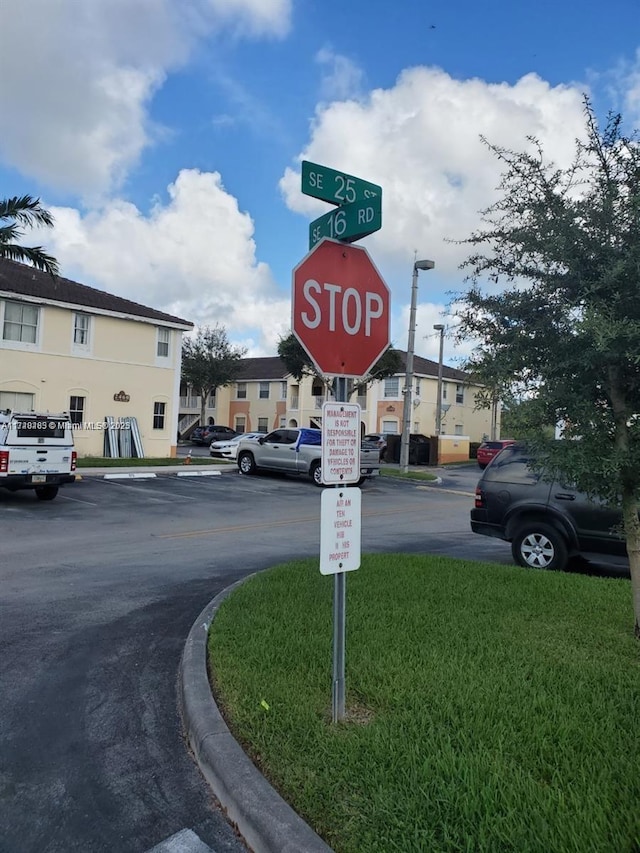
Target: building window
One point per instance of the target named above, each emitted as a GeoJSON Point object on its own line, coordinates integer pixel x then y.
{"type": "Point", "coordinates": [163, 343]}
{"type": "Point", "coordinates": [81, 330]}
{"type": "Point", "coordinates": [283, 390]}
{"type": "Point", "coordinates": [16, 401]}
{"type": "Point", "coordinates": [444, 391]}
{"type": "Point", "coordinates": [457, 430]}
{"type": "Point", "coordinates": [20, 322]}
{"type": "Point", "coordinates": [241, 423]}
{"type": "Point", "coordinates": [459, 393]}
{"type": "Point", "coordinates": [241, 390]}
{"type": "Point", "coordinates": [159, 410]}
{"type": "Point", "coordinates": [76, 409]}
{"type": "Point", "coordinates": [392, 386]}
{"type": "Point", "coordinates": [212, 400]}
{"type": "Point", "coordinates": [417, 387]}
{"type": "Point", "coordinates": [283, 422]}
{"type": "Point", "coordinates": [390, 426]}
{"type": "Point", "coordinates": [263, 425]}
{"type": "Point", "coordinates": [264, 391]}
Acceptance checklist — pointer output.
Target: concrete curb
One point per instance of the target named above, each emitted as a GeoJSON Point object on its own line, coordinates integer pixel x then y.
{"type": "Point", "coordinates": [266, 822]}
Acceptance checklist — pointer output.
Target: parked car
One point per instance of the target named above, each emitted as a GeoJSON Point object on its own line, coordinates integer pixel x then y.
{"type": "Point", "coordinates": [213, 432]}
{"type": "Point", "coordinates": [380, 440]}
{"type": "Point", "coordinates": [546, 521]}
{"type": "Point", "coordinates": [489, 449]}
{"type": "Point", "coordinates": [228, 449]}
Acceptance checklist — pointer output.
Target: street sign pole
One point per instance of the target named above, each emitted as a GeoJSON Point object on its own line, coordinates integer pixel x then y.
{"type": "Point", "coordinates": [338, 703]}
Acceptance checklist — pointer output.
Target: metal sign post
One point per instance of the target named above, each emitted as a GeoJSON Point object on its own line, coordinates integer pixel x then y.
{"type": "Point", "coordinates": [339, 613]}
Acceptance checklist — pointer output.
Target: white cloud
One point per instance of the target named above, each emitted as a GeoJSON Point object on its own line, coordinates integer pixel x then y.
{"type": "Point", "coordinates": [75, 113]}
{"type": "Point", "coordinates": [193, 256]}
{"type": "Point", "coordinates": [342, 78]}
{"type": "Point", "coordinates": [420, 141]}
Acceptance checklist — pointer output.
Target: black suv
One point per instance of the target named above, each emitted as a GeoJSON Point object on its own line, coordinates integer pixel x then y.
{"type": "Point", "coordinates": [546, 522]}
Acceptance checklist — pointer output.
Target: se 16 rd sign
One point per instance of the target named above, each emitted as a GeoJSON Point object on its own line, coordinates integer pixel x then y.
{"type": "Point", "coordinates": [340, 443]}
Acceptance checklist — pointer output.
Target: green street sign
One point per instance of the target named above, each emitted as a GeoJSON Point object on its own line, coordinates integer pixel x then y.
{"type": "Point", "coordinates": [336, 187]}
{"type": "Point", "coordinates": [348, 223]}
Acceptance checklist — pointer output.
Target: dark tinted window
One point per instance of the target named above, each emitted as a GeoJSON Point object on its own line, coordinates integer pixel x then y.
{"type": "Point", "coordinates": [511, 466]}
{"type": "Point", "coordinates": [38, 427]}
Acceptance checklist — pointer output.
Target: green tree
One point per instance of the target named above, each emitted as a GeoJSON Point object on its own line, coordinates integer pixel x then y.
{"type": "Point", "coordinates": [564, 330]}
{"type": "Point", "coordinates": [298, 363]}
{"type": "Point", "coordinates": [210, 361]}
{"type": "Point", "coordinates": [19, 213]}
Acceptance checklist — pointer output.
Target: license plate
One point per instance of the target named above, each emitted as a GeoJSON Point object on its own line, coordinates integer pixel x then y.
{"type": "Point", "coordinates": [38, 478]}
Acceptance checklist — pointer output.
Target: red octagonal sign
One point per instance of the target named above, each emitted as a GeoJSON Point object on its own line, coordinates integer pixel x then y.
{"type": "Point", "coordinates": [340, 309]}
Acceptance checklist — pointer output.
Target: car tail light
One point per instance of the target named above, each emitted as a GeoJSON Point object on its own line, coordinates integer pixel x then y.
{"type": "Point", "coordinates": [4, 461]}
{"type": "Point", "coordinates": [74, 460]}
{"type": "Point", "coordinates": [479, 498]}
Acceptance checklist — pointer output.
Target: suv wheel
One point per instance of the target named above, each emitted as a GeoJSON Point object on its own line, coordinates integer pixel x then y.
{"type": "Point", "coordinates": [538, 546]}
{"type": "Point", "coordinates": [246, 463]}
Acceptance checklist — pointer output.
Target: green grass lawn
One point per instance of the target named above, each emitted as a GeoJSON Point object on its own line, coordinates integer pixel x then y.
{"type": "Point", "coordinates": [385, 471]}
{"type": "Point", "coordinates": [490, 708]}
{"type": "Point", "coordinates": [110, 462]}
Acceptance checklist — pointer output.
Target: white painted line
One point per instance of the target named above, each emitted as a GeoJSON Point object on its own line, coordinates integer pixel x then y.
{"type": "Point", "coordinates": [185, 841]}
{"type": "Point", "coordinates": [199, 473]}
{"type": "Point", "coordinates": [137, 476]}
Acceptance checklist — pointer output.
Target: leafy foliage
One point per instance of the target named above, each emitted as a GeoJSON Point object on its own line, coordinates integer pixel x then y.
{"type": "Point", "coordinates": [298, 363]}
{"type": "Point", "coordinates": [20, 212]}
{"type": "Point", "coordinates": [565, 330]}
{"type": "Point", "coordinates": [210, 361]}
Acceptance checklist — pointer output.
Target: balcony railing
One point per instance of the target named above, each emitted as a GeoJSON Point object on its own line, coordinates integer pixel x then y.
{"type": "Point", "coordinates": [194, 403]}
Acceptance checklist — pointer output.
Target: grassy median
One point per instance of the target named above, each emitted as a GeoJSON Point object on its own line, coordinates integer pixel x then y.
{"type": "Point", "coordinates": [489, 708]}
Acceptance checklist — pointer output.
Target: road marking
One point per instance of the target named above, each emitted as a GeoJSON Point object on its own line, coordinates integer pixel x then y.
{"type": "Point", "coordinates": [142, 475]}
{"type": "Point", "coordinates": [77, 500]}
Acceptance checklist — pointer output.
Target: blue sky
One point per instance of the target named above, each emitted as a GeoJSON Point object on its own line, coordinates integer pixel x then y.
{"type": "Point", "coordinates": [166, 135]}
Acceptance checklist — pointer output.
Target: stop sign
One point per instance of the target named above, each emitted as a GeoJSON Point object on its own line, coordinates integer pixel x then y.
{"type": "Point", "coordinates": [340, 309]}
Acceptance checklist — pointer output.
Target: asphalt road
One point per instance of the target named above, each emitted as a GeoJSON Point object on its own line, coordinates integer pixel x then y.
{"type": "Point", "coordinates": [99, 589]}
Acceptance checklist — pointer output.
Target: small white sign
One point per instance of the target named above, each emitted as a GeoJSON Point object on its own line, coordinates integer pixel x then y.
{"type": "Point", "coordinates": [340, 525]}
{"type": "Point", "coordinates": [340, 443]}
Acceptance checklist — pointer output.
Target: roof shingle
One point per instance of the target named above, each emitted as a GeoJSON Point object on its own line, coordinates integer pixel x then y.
{"type": "Point", "coordinates": [24, 280]}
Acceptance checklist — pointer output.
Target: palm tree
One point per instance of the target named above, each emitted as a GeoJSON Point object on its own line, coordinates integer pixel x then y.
{"type": "Point", "coordinates": [25, 211]}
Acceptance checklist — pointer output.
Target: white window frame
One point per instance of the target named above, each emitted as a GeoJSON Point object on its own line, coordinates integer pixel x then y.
{"type": "Point", "coordinates": [163, 339]}
{"type": "Point", "coordinates": [391, 383]}
{"type": "Point", "coordinates": [77, 415]}
{"type": "Point", "coordinates": [460, 394]}
{"type": "Point", "coordinates": [20, 344]}
{"type": "Point", "coordinates": [390, 426]}
{"type": "Point", "coordinates": [458, 429]}
{"type": "Point", "coordinates": [159, 411]}
{"type": "Point", "coordinates": [264, 390]}
{"type": "Point", "coordinates": [241, 390]}
{"type": "Point", "coordinates": [263, 425]}
{"type": "Point", "coordinates": [241, 423]}
{"type": "Point", "coordinates": [81, 330]}
{"type": "Point", "coordinates": [14, 404]}
{"type": "Point", "coordinates": [283, 390]}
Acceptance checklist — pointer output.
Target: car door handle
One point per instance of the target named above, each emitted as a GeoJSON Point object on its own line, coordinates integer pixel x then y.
{"type": "Point", "coordinates": [565, 496]}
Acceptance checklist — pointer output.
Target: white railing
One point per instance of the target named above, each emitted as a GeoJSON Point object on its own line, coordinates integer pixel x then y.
{"type": "Point", "coordinates": [189, 402]}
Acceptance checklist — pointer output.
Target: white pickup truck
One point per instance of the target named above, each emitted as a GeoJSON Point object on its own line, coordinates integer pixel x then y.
{"type": "Point", "coordinates": [297, 451]}
{"type": "Point", "coordinates": [36, 452]}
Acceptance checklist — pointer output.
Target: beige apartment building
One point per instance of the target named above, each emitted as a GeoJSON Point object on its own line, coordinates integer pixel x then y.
{"type": "Point", "coordinates": [266, 397]}
{"type": "Point", "coordinates": [66, 347]}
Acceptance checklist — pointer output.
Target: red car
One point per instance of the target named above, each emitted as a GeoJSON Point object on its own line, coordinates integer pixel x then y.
{"type": "Point", "coordinates": [489, 449]}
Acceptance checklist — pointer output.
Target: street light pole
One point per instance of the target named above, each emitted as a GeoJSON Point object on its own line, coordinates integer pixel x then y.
{"type": "Point", "coordinates": [439, 328]}
{"type": "Point", "coordinates": [408, 385]}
